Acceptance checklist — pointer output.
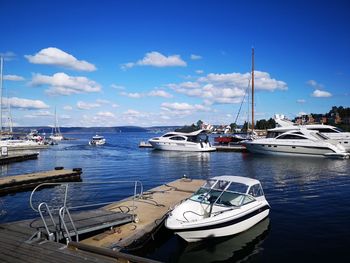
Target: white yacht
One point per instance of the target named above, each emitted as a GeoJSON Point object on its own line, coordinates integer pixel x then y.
{"type": "Point", "coordinates": [223, 206]}
{"type": "Point", "coordinates": [197, 141]}
{"type": "Point", "coordinates": [299, 141]}
{"type": "Point", "coordinates": [97, 140]}
{"type": "Point", "coordinates": [331, 132]}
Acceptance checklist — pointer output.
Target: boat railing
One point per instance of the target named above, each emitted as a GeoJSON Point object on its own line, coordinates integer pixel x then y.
{"type": "Point", "coordinates": [62, 207]}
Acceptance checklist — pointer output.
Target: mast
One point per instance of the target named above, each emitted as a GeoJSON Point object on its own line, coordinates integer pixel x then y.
{"type": "Point", "coordinates": [1, 82]}
{"type": "Point", "coordinates": [252, 90]}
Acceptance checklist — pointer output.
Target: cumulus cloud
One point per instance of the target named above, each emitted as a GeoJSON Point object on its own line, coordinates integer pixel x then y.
{"type": "Point", "coordinates": [314, 84]}
{"type": "Point", "coordinates": [13, 78]}
{"type": "Point", "coordinates": [15, 102]}
{"type": "Point", "coordinates": [63, 84]}
{"type": "Point", "coordinates": [118, 87]}
{"type": "Point", "coordinates": [227, 88]}
{"type": "Point", "coordinates": [301, 101]}
{"type": "Point", "coordinates": [199, 71]}
{"type": "Point", "coordinates": [134, 95]}
{"type": "Point", "coordinates": [159, 93]}
{"type": "Point", "coordinates": [183, 108]}
{"type": "Point", "coordinates": [321, 94]}
{"type": "Point", "coordinates": [107, 114]}
{"type": "Point", "coordinates": [57, 57]}
{"type": "Point", "coordinates": [195, 57]}
{"type": "Point", "coordinates": [157, 59]}
{"type": "Point", "coordinates": [87, 106]}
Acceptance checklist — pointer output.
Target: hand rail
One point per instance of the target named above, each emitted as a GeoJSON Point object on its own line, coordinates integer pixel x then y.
{"type": "Point", "coordinates": [136, 195]}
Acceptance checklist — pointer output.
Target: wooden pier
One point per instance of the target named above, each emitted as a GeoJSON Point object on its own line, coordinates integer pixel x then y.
{"type": "Point", "coordinates": [230, 148]}
{"type": "Point", "coordinates": [151, 211]}
{"type": "Point", "coordinates": [18, 157]}
{"type": "Point", "coordinates": [120, 231]}
{"type": "Point", "coordinates": [18, 183]}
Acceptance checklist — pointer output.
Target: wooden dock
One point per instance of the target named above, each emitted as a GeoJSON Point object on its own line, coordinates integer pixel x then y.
{"type": "Point", "coordinates": [18, 183]}
{"type": "Point", "coordinates": [18, 157]}
{"type": "Point", "coordinates": [230, 148]}
{"type": "Point", "coordinates": [151, 211]}
{"type": "Point", "coordinates": [120, 232]}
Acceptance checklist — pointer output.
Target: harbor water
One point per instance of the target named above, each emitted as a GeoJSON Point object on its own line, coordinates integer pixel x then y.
{"type": "Point", "coordinates": [309, 196]}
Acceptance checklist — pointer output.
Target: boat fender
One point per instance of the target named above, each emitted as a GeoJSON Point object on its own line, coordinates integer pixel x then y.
{"type": "Point", "coordinates": [59, 168]}
{"type": "Point", "coordinates": [77, 169]}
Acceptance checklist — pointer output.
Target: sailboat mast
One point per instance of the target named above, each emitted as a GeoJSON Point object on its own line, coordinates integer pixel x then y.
{"type": "Point", "coordinates": [252, 90]}
{"type": "Point", "coordinates": [1, 81]}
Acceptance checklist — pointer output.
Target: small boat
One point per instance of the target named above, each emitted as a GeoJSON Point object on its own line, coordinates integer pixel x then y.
{"type": "Point", "coordinates": [223, 206]}
{"type": "Point", "coordinates": [197, 141]}
{"type": "Point", "coordinates": [97, 140]}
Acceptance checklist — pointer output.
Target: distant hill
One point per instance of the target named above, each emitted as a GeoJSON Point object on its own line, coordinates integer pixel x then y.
{"type": "Point", "coordinates": [46, 129]}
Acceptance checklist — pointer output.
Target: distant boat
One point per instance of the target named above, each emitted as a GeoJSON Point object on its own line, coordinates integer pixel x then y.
{"type": "Point", "coordinates": [197, 141]}
{"type": "Point", "coordinates": [56, 133]}
{"type": "Point", "coordinates": [97, 140]}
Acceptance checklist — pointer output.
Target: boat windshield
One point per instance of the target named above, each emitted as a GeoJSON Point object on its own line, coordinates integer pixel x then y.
{"type": "Point", "coordinates": [223, 193]}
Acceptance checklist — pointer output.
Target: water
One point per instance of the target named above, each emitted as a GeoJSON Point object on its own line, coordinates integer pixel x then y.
{"type": "Point", "coordinates": [310, 197]}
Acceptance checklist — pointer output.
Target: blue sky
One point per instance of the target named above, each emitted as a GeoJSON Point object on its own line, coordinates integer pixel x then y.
{"type": "Point", "coordinates": [148, 63]}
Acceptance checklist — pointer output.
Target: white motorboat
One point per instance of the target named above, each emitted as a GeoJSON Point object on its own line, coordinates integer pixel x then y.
{"type": "Point", "coordinates": [223, 206]}
{"type": "Point", "coordinates": [300, 142]}
{"type": "Point", "coordinates": [97, 140]}
{"type": "Point", "coordinates": [331, 132]}
{"type": "Point", "coordinates": [197, 141]}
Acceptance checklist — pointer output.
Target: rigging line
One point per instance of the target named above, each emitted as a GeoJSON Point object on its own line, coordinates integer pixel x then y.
{"type": "Point", "coordinates": [240, 107]}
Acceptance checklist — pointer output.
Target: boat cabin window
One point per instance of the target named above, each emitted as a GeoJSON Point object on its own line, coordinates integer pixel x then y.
{"type": "Point", "coordinates": [247, 199]}
{"type": "Point", "coordinates": [168, 135]}
{"type": "Point", "coordinates": [320, 136]}
{"type": "Point", "coordinates": [237, 187]}
{"type": "Point", "coordinates": [291, 137]}
{"type": "Point", "coordinates": [272, 134]}
{"type": "Point", "coordinates": [256, 190]}
{"type": "Point", "coordinates": [177, 138]}
{"type": "Point", "coordinates": [327, 130]}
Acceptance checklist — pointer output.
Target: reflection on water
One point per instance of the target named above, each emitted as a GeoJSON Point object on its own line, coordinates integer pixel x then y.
{"type": "Point", "coordinates": [233, 249]}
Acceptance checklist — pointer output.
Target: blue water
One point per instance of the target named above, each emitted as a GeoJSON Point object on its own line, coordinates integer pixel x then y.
{"type": "Point", "coordinates": [310, 197]}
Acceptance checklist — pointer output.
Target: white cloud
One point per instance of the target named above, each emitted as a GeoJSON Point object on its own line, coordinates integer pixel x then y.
{"type": "Point", "coordinates": [118, 87]}
{"type": "Point", "coordinates": [63, 84]}
{"type": "Point", "coordinates": [227, 88]}
{"type": "Point", "coordinates": [56, 57]}
{"type": "Point", "coordinates": [301, 113]}
{"type": "Point", "coordinates": [101, 101]}
{"type": "Point", "coordinates": [13, 78]}
{"type": "Point", "coordinates": [87, 106]}
{"type": "Point", "coordinates": [107, 114]}
{"type": "Point", "coordinates": [321, 94]}
{"type": "Point", "coordinates": [301, 101]}
{"type": "Point", "coordinates": [39, 114]}
{"type": "Point", "coordinates": [182, 107]}
{"type": "Point", "coordinates": [135, 95]}
{"type": "Point", "coordinates": [157, 59]}
{"type": "Point", "coordinates": [199, 71]}
{"type": "Point", "coordinates": [159, 93]}
{"type": "Point", "coordinates": [68, 107]}
{"type": "Point", "coordinates": [25, 103]}
{"type": "Point", "coordinates": [114, 105]}
{"type": "Point", "coordinates": [195, 57]}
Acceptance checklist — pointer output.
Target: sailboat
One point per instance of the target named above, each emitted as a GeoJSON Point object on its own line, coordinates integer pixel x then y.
{"type": "Point", "coordinates": [56, 133]}
{"type": "Point", "coordinates": [249, 134]}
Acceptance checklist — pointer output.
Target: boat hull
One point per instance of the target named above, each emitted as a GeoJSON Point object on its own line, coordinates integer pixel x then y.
{"type": "Point", "coordinates": [278, 149]}
{"type": "Point", "coordinates": [184, 147]}
{"type": "Point", "coordinates": [231, 227]}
